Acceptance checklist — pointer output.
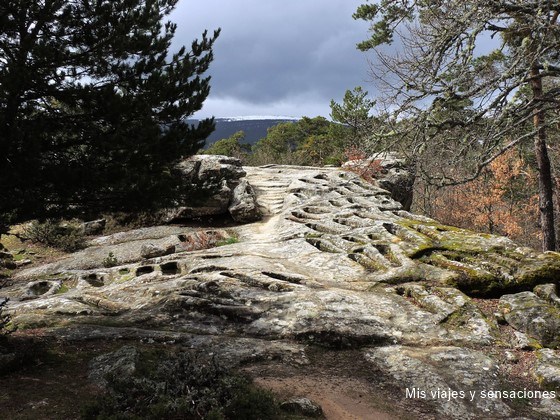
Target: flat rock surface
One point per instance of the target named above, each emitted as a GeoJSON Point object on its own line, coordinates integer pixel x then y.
{"type": "Point", "coordinates": [336, 263]}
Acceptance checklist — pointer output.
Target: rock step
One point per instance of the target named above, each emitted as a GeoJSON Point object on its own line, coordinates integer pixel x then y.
{"type": "Point", "coordinates": [270, 194]}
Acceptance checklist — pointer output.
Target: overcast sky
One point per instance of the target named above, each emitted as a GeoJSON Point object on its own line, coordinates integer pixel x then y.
{"type": "Point", "coordinates": [277, 57]}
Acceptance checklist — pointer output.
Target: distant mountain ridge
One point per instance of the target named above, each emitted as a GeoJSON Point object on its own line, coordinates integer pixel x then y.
{"type": "Point", "coordinates": [255, 127]}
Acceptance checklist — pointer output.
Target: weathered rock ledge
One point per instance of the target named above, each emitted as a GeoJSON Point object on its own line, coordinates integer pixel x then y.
{"type": "Point", "coordinates": [336, 262]}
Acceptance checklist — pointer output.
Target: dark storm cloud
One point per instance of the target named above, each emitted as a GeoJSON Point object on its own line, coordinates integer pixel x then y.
{"type": "Point", "coordinates": [277, 56]}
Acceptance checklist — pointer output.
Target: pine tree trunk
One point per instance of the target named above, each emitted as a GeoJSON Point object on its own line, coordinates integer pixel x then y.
{"type": "Point", "coordinates": [546, 206]}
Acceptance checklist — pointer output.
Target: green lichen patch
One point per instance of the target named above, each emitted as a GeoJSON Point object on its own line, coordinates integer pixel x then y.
{"type": "Point", "coordinates": [366, 262]}
{"type": "Point", "coordinates": [62, 289]}
{"type": "Point", "coordinates": [540, 270]}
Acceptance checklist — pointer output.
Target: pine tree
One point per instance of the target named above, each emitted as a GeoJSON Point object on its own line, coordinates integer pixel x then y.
{"type": "Point", "coordinates": [93, 104]}
{"type": "Point", "coordinates": [354, 112]}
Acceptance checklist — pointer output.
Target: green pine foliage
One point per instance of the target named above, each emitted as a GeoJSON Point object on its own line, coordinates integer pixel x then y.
{"type": "Point", "coordinates": [93, 105]}
{"type": "Point", "coordinates": [354, 113]}
{"type": "Point", "coordinates": [232, 146]}
{"type": "Point", "coordinates": [309, 141]}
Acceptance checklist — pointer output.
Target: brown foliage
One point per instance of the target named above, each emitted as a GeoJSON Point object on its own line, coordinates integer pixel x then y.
{"type": "Point", "coordinates": [368, 169]}
{"type": "Point", "coordinates": [503, 201]}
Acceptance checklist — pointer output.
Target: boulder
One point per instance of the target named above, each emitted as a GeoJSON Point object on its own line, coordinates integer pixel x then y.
{"type": "Point", "coordinates": [548, 292]}
{"type": "Point", "coordinates": [210, 169]}
{"type": "Point", "coordinates": [207, 202]}
{"type": "Point", "coordinates": [547, 370]}
{"type": "Point", "coordinates": [210, 183]}
{"type": "Point", "coordinates": [391, 172]}
{"type": "Point", "coordinates": [216, 168]}
{"type": "Point", "coordinates": [450, 379]}
{"type": "Point", "coordinates": [94, 227]}
{"type": "Point", "coordinates": [6, 259]}
{"type": "Point", "coordinates": [121, 363]}
{"type": "Point", "coordinates": [152, 251]}
{"type": "Point", "coordinates": [302, 407]}
{"type": "Point", "coordinates": [530, 314]}
{"type": "Point", "coordinates": [243, 207]}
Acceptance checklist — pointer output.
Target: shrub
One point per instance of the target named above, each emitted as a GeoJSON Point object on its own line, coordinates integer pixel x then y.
{"type": "Point", "coordinates": [120, 221]}
{"type": "Point", "coordinates": [54, 233]}
{"type": "Point", "coordinates": [228, 241]}
{"type": "Point", "coordinates": [183, 387]}
{"type": "Point", "coordinates": [110, 261]}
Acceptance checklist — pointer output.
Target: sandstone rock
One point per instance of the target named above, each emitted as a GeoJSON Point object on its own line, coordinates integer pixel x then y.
{"type": "Point", "coordinates": [209, 181]}
{"type": "Point", "coordinates": [215, 186]}
{"type": "Point", "coordinates": [522, 342]}
{"type": "Point", "coordinates": [6, 258]}
{"type": "Point", "coordinates": [302, 407]}
{"type": "Point", "coordinates": [215, 167]}
{"type": "Point", "coordinates": [243, 207]}
{"type": "Point", "coordinates": [549, 408]}
{"type": "Point", "coordinates": [41, 288]}
{"type": "Point", "coordinates": [438, 375]}
{"type": "Point", "coordinates": [152, 251]}
{"type": "Point", "coordinates": [212, 201]}
{"type": "Point", "coordinates": [22, 263]}
{"type": "Point", "coordinates": [94, 227]}
{"type": "Point", "coordinates": [120, 363]}
{"type": "Point", "coordinates": [335, 263]}
{"type": "Point", "coordinates": [548, 292]}
{"type": "Point", "coordinates": [210, 169]}
{"type": "Point", "coordinates": [528, 313]}
{"type": "Point", "coordinates": [392, 173]}
{"type": "Point", "coordinates": [547, 369]}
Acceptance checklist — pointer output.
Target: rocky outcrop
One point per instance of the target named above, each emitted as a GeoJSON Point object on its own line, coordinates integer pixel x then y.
{"type": "Point", "coordinates": [94, 227]}
{"type": "Point", "coordinates": [302, 407]}
{"type": "Point", "coordinates": [336, 262]}
{"type": "Point", "coordinates": [215, 186]}
{"type": "Point", "coordinates": [392, 173]}
{"type": "Point", "coordinates": [6, 259]}
{"type": "Point", "coordinates": [120, 363]}
{"type": "Point", "coordinates": [532, 315]}
{"type": "Point", "coordinates": [243, 206]}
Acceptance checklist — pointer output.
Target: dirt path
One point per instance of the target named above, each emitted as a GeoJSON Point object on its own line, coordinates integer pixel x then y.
{"type": "Point", "coordinates": [340, 398]}
{"type": "Point", "coordinates": [342, 383]}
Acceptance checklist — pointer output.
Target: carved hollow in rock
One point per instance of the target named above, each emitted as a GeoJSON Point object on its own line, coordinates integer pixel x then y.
{"type": "Point", "coordinates": [145, 269]}
{"type": "Point", "coordinates": [40, 288]}
{"type": "Point", "coordinates": [170, 268]}
{"type": "Point", "coordinates": [95, 280]}
{"type": "Point", "coordinates": [284, 277]}
{"type": "Point", "coordinates": [208, 269]}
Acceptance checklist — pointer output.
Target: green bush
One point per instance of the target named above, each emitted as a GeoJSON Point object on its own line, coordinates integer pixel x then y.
{"type": "Point", "coordinates": [183, 387]}
{"type": "Point", "coordinates": [228, 241]}
{"type": "Point", "coordinates": [57, 234]}
{"type": "Point", "coordinates": [122, 221]}
{"type": "Point", "coordinates": [110, 261]}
